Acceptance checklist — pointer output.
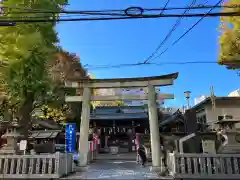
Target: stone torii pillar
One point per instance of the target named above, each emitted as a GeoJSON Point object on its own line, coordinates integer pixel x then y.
{"type": "Point", "coordinates": [154, 130]}
{"type": "Point", "coordinates": [84, 127]}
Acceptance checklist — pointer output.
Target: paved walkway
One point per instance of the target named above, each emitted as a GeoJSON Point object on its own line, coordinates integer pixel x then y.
{"type": "Point", "coordinates": [116, 169]}
{"type": "Point", "coordinates": [120, 156]}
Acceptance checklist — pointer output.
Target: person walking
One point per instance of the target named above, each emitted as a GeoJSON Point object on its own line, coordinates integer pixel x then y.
{"type": "Point", "coordinates": [137, 143]}
{"type": "Point", "coordinates": [138, 135]}
{"type": "Point", "coordinates": [142, 154]}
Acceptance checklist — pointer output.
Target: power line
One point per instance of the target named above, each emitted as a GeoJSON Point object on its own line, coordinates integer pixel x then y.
{"type": "Point", "coordinates": [31, 10]}
{"type": "Point", "coordinates": [4, 20]}
{"type": "Point", "coordinates": [177, 23]}
{"type": "Point", "coordinates": [186, 32]}
{"type": "Point", "coordinates": [101, 12]}
{"type": "Point", "coordinates": [141, 64]}
{"type": "Point", "coordinates": [165, 6]}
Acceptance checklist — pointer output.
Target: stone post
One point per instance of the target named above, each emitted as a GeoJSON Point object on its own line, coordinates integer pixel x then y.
{"type": "Point", "coordinates": [84, 128]}
{"type": "Point", "coordinates": [154, 130]}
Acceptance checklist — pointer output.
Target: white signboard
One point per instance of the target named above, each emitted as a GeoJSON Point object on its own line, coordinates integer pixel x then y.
{"type": "Point", "coordinates": [23, 145]}
{"type": "Point", "coordinates": [208, 146]}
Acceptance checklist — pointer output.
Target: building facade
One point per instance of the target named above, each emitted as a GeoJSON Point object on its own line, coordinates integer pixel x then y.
{"type": "Point", "coordinates": [205, 114]}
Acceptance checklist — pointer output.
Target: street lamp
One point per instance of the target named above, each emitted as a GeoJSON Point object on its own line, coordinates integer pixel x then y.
{"type": "Point", "coordinates": [187, 96]}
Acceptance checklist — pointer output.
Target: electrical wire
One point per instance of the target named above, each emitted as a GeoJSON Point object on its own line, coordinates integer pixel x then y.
{"type": "Point", "coordinates": [51, 19]}
{"type": "Point", "coordinates": [93, 67]}
{"type": "Point", "coordinates": [177, 23]}
{"type": "Point", "coordinates": [186, 32]}
{"type": "Point", "coordinates": [165, 6]}
{"type": "Point", "coordinates": [31, 10]}
{"type": "Point", "coordinates": [100, 12]}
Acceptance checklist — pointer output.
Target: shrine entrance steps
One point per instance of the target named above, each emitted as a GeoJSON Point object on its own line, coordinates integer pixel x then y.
{"type": "Point", "coordinates": [116, 169]}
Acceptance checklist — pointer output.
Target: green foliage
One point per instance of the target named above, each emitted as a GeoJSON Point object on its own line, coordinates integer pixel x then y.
{"type": "Point", "coordinates": [230, 37]}
{"type": "Point", "coordinates": [27, 49]}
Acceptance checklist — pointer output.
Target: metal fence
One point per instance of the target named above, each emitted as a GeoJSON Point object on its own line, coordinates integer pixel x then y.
{"type": "Point", "coordinates": [35, 166]}
{"type": "Point", "coordinates": [204, 166]}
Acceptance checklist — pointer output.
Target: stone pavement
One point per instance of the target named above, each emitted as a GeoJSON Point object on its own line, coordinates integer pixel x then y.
{"type": "Point", "coordinates": [116, 169]}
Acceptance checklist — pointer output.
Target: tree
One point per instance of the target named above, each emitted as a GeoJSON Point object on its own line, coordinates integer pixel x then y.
{"type": "Point", "coordinates": [67, 67]}
{"type": "Point", "coordinates": [27, 51]}
{"type": "Point", "coordinates": [230, 37]}
{"type": "Point", "coordinates": [56, 114]}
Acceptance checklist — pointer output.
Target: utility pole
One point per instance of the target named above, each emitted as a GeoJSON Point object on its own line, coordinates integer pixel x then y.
{"type": "Point", "coordinates": [212, 96]}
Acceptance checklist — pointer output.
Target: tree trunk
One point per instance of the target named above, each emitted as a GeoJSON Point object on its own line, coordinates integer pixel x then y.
{"type": "Point", "coordinates": [26, 111]}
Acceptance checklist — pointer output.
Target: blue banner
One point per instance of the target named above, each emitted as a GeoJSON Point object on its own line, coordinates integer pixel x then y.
{"type": "Point", "coordinates": [70, 133]}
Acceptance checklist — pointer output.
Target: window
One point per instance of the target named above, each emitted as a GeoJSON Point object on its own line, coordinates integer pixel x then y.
{"type": "Point", "coordinates": [204, 119]}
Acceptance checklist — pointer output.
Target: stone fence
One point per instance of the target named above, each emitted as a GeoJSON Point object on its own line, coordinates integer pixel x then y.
{"type": "Point", "coordinates": [204, 166]}
{"type": "Point", "coordinates": [44, 166]}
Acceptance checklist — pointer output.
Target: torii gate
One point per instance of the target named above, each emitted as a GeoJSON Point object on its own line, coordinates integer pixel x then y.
{"type": "Point", "coordinates": [150, 82]}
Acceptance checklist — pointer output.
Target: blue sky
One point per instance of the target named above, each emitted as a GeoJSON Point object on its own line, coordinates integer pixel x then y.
{"type": "Point", "coordinates": [131, 41]}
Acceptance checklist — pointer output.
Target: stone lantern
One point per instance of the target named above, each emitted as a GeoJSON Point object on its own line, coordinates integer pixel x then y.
{"type": "Point", "coordinates": [230, 134]}
{"type": "Point", "coordinates": [11, 135]}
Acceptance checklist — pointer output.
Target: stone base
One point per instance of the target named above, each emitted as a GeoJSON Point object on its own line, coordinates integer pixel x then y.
{"type": "Point", "coordinates": [7, 150]}
{"type": "Point", "coordinates": [158, 169]}
{"type": "Point", "coordinates": [83, 159]}
{"type": "Point", "coordinates": [106, 149]}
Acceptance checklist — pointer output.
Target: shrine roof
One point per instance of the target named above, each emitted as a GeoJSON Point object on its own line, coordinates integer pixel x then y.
{"type": "Point", "coordinates": [46, 124]}
{"type": "Point", "coordinates": [119, 116]}
{"type": "Point", "coordinates": [174, 118]}
{"type": "Point", "coordinates": [117, 109]}
{"type": "Point", "coordinates": [49, 134]}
